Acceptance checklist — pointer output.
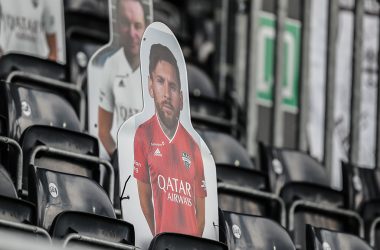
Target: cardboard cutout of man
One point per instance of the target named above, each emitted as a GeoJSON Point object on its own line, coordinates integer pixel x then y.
{"type": "Point", "coordinates": [168, 164]}
{"type": "Point", "coordinates": [120, 93]}
{"type": "Point", "coordinates": [24, 25]}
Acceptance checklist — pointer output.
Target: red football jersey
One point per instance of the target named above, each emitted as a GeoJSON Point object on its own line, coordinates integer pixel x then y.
{"type": "Point", "coordinates": [174, 169]}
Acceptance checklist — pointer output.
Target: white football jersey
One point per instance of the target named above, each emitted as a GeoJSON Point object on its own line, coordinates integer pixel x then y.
{"type": "Point", "coordinates": [120, 93]}
{"type": "Point", "coordinates": [25, 24]}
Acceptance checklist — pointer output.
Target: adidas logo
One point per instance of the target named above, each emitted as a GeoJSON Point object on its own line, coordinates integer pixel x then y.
{"type": "Point", "coordinates": [157, 153]}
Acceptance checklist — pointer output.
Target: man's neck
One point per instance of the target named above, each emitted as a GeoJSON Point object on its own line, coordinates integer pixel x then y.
{"type": "Point", "coordinates": [169, 132]}
{"type": "Point", "coordinates": [133, 61]}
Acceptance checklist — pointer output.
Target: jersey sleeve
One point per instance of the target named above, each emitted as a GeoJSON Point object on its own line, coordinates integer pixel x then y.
{"type": "Point", "coordinates": [48, 17]}
{"type": "Point", "coordinates": [140, 169]}
{"type": "Point", "coordinates": [106, 96]}
{"type": "Point", "coordinates": [200, 182]}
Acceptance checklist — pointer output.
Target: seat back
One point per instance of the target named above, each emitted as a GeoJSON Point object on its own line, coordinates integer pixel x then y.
{"type": "Point", "coordinates": [17, 210]}
{"type": "Point", "coordinates": [63, 139]}
{"type": "Point", "coordinates": [331, 218]}
{"type": "Point", "coordinates": [253, 232]}
{"type": "Point", "coordinates": [7, 187]}
{"type": "Point", "coordinates": [82, 43]}
{"type": "Point", "coordinates": [18, 62]}
{"type": "Point", "coordinates": [322, 239]}
{"type": "Point", "coordinates": [174, 241]}
{"type": "Point", "coordinates": [207, 109]}
{"type": "Point", "coordinates": [360, 185]}
{"type": "Point", "coordinates": [226, 150]}
{"type": "Point", "coordinates": [285, 166]}
{"type": "Point", "coordinates": [200, 84]}
{"type": "Point", "coordinates": [98, 8]}
{"type": "Point", "coordinates": [30, 101]}
{"type": "Point", "coordinates": [93, 226]}
{"type": "Point", "coordinates": [54, 192]}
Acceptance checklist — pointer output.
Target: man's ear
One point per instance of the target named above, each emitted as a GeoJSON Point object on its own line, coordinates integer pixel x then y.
{"type": "Point", "coordinates": [181, 100]}
{"type": "Point", "coordinates": [150, 86]}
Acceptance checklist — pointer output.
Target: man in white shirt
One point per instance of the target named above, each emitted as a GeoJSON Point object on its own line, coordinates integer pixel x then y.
{"type": "Point", "coordinates": [120, 93]}
{"type": "Point", "coordinates": [28, 26]}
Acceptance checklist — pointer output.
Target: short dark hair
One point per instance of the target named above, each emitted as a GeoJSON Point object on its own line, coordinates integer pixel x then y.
{"type": "Point", "coordinates": [159, 52]}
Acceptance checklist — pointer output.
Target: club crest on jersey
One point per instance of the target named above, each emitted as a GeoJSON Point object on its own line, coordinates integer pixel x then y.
{"type": "Point", "coordinates": [186, 160]}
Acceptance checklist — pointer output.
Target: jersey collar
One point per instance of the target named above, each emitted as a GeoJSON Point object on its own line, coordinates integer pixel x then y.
{"type": "Point", "coordinates": [162, 130]}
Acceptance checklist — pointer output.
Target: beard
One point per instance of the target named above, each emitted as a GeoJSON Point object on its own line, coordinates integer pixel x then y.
{"type": "Point", "coordinates": [168, 118]}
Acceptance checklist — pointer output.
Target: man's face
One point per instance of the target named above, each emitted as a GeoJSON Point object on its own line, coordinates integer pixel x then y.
{"type": "Point", "coordinates": [131, 25]}
{"type": "Point", "coordinates": [165, 89]}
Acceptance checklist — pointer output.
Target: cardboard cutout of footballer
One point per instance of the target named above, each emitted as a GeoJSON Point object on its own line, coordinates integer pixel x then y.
{"type": "Point", "coordinates": [33, 27]}
{"type": "Point", "coordinates": [167, 173]}
{"type": "Point", "coordinates": [114, 85]}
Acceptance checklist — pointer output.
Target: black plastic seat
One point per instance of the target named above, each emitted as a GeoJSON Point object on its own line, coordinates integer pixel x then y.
{"type": "Point", "coordinates": [7, 187]}
{"type": "Point", "coordinates": [322, 239]}
{"type": "Point", "coordinates": [302, 182]}
{"type": "Point", "coordinates": [173, 241]}
{"type": "Point", "coordinates": [63, 139]}
{"type": "Point", "coordinates": [241, 187]}
{"type": "Point", "coordinates": [17, 62]}
{"type": "Point", "coordinates": [226, 150]}
{"type": "Point", "coordinates": [253, 232]}
{"type": "Point", "coordinates": [87, 29]}
{"type": "Point", "coordinates": [16, 215]}
{"type": "Point", "coordinates": [12, 208]}
{"type": "Point", "coordinates": [61, 161]}
{"type": "Point", "coordinates": [207, 110]}
{"type": "Point", "coordinates": [30, 100]}
{"type": "Point", "coordinates": [79, 228]}
{"type": "Point", "coordinates": [54, 192]}
{"type": "Point", "coordinates": [361, 187]}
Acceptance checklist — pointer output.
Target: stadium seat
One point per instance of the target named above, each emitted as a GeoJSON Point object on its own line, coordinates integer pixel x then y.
{"type": "Point", "coordinates": [16, 215]}
{"type": "Point", "coordinates": [361, 187]}
{"type": "Point", "coordinates": [54, 192]}
{"type": "Point", "coordinates": [323, 239]}
{"type": "Point", "coordinates": [63, 139]}
{"type": "Point", "coordinates": [11, 207]}
{"type": "Point", "coordinates": [87, 29]}
{"type": "Point", "coordinates": [253, 232]}
{"type": "Point", "coordinates": [76, 210]}
{"type": "Point", "coordinates": [12, 62]}
{"type": "Point", "coordinates": [87, 166]}
{"type": "Point", "coordinates": [173, 241]}
{"type": "Point", "coordinates": [241, 187]}
{"type": "Point", "coordinates": [28, 99]}
{"type": "Point", "coordinates": [79, 228]}
{"type": "Point", "coordinates": [207, 110]}
{"type": "Point", "coordinates": [303, 184]}
{"type": "Point", "coordinates": [226, 150]}
{"type": "Point", "coordinates": [11, 156]}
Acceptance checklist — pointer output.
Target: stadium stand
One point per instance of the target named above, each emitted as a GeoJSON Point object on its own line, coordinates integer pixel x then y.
{"type": "Point", "coordinates": [322, 239]}
{"type": "Point", "coordinates": [362, 194]}
{"type": "Point", "coordinates": [302, 183]}
{"type": "Point", "coordinates": [254, 232]}
{"type": "Point", "coordinates": [55, 188]}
